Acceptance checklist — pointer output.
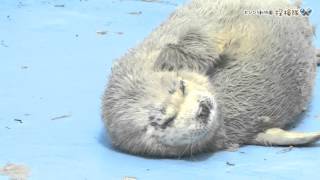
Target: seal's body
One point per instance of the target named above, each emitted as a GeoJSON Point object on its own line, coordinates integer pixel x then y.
{"type": "Point", "coordinates": [213, 77]}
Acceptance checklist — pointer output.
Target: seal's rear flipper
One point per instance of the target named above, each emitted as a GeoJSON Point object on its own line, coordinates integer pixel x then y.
{"type": "Point", "coordinates": [276, 136]}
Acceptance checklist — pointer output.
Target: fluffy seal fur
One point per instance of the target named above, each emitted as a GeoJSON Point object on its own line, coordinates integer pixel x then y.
{"type": "Point", "coordinates": [209, 78]}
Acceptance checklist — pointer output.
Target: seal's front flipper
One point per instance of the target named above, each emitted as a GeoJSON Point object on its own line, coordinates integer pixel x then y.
{"type": "Point", "coordinates": [194, 51]}
{"type": "Point", "coordinates": [318, 56]}
{"type": "Point", "coordinates": [276, 136]}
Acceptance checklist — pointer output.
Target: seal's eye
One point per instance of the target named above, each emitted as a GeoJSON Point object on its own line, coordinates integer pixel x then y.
{"type": "Point", "coordinates": [182, 87]}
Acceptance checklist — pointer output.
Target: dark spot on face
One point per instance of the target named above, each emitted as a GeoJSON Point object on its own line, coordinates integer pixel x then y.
{"type": "Point", "coordinates": [151, 118]}
{"type": "Point", "coordinates": [168, 122]}
{"type": "Point", "coordinates": [173, 88]}
{"type": "Point", "coordinates": [154, 124]}
{"type": "Point", "coordinates": [163, 66]}
{"type": "Point", "coordinates": [163, 110]}
{"type": "Point", "coordinates": [172, 91]}
{"type": "Point", "coordinates": [145, 129]}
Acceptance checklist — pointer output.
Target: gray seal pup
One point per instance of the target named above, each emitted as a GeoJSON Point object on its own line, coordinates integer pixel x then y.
{"type": "Point", "coordinates": [213, 77]}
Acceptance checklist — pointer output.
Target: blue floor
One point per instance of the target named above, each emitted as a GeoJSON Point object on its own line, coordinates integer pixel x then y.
{"type": "Point", "coordinates": [55, 57]}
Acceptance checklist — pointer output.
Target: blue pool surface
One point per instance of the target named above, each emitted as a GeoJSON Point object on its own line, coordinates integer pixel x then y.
{"type": "Point", "coordinates": [55, 58]}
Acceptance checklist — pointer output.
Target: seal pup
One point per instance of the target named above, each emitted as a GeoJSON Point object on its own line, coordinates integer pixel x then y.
{"type": "Point", "coordinates": [212, 77]}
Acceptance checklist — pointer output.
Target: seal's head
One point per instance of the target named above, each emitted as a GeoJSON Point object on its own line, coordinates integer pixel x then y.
{"type": "Point", "coordinates": [170, 114]}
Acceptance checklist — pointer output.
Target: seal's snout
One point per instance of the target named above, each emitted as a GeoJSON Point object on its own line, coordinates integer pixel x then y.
{"type": "Point", "coordinates": [205, 107]}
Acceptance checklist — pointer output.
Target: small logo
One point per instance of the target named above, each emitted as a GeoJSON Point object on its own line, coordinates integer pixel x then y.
{"type": "Point", "coordinates": [305, 12]}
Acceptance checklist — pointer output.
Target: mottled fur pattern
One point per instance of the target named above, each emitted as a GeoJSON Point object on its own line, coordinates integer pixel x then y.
{"type": "Point", "coordinates": [243, 74]}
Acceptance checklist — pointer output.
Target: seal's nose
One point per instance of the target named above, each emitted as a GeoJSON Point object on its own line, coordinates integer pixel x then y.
{"type": "Point", "coordinates": [205, 107]}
